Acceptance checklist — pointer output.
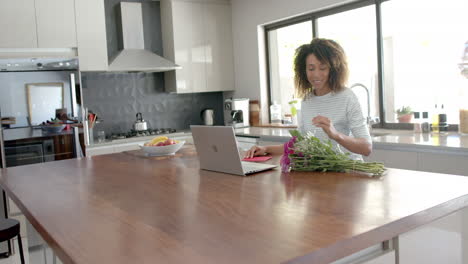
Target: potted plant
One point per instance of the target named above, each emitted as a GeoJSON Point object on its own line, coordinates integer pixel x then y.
{"type": "Point", "coordinates": [404, 114]}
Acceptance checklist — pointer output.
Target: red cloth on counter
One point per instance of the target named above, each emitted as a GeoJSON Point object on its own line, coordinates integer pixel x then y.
{"type": "Point", "coordinates": [257, 159]}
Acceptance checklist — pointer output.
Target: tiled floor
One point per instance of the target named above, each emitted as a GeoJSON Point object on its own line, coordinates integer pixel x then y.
{"type": "Point", "coordinates": [36, 256]}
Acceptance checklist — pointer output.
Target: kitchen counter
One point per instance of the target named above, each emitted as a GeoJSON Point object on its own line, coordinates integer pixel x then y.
{"type": "Point", "coordinates": [136, 140]}
{"type": "Point", "coordinates": [130, 208]}
{"type": "Point", "coordinates": [11, 134]}
{"type": "Point", "coordinates": [406, 140]}
{"type": "Point", "coordinates": [451, 142]}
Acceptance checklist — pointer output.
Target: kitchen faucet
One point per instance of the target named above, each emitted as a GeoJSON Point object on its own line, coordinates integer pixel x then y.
{"type": "Point", "coordinates": [369, 120]}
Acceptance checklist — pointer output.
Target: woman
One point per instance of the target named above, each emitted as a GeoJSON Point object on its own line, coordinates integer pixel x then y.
{"type": "Point", "coordinates": [329, 109]}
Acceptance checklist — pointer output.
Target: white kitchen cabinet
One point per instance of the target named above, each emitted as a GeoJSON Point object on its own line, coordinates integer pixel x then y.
{"type": "Point", "coordinates": [197, 36]}
{"type": "Point", "coordinates": [37, 24]}
{"type": "Point", "coordinates": [395, 158]}
{"type": "Point", "coordinates": [15, 258]}
{"type": "Point", "coordinates": [187, 44]}
{"type": "Point", "coordinates": [386, 258]}
{"type": "Point", "coordinates": [56, 26]}
{"type": "Point", "coordinates": [15, 213]}
{"type": "Point", "coordinates": [371, 255]}
{"type": "Point", "coordinates": [22, 219]}
{"type": "Point", "coordinates": [450, 163]}
{"type": "Point", "coordinates": [91, 35]}
{"type": "Point", "coordinates": [443, 163]}
{"type": "Point", "coordinates": [12, 208]}
{"type": "Point", "coordinates": [218, 49]}
{"type": "Point", "coordinates": [17, 24]}
{"type": "Point", "coordinates": [99, 150]}
{"type": "Point", "coordinates": [442, 241]}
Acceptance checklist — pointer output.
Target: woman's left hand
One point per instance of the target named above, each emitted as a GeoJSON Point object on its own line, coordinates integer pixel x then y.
{"type": "Point", "coordinates": [326, 124]}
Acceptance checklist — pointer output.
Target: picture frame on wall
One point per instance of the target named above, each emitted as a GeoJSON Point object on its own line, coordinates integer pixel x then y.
{"type": "Point", "coordinates": [43, 99]}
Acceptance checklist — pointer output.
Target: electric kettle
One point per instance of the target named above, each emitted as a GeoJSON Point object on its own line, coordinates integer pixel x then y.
{"type": "Point", "coordinates": [207, 115]}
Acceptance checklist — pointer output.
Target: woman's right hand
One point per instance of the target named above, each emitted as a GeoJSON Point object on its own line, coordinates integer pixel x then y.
{"type": "Point", "coordinates": [255, 151]}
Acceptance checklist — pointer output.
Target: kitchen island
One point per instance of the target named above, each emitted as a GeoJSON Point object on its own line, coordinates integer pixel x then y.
{"type": "Point", "coordinates": [131, 208]}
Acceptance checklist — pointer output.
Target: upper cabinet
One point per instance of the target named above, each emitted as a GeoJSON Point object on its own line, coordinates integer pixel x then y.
{"type": "Point", "coordinates": [91, 35]}
{"type": "Point", "coordinates": [56, 23]}
{"type": "Point", "coordinates": [17, 24]}
{"type": "Point", "coordinates": [197, 36]}
{"type": "Point", "coordinates": [219, 51]}
{"type": "Point", "coordinates": [37, 24]}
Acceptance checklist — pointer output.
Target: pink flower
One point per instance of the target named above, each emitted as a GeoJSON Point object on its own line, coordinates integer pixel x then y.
{"type": "Point", "coordinates": [288, 149]}
{"type": "Point", "coordinates": [285, 162]}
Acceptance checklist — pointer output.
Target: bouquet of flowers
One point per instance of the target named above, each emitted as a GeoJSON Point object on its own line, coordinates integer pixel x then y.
{"type": "Point", "coordinates": [308, 153]}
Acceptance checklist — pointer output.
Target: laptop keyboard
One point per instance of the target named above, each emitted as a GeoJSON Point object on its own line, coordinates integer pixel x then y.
{"type": "Point", "coordinates": [250, 168]}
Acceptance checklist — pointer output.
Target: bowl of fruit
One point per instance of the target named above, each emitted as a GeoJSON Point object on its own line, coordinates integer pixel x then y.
{"type": "Point", "coordinates": [162, 145]}
{"type": "Point", "coordinates": [52, 126]}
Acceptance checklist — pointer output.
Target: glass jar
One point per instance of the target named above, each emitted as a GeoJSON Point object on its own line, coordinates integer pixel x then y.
{"type": "Point", "coordinates": [463, 127]}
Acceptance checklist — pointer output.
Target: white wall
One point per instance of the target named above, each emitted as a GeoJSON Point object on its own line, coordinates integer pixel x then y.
{"type": "Point", "coordinates": [247, 16]}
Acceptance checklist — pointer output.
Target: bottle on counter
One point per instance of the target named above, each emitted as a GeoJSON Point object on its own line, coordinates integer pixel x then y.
{"type": "Point", "coordinates": [435, 120]}
{"type": "Point", "coordinates": [463, 127]}
{"type": "Point", "coordinates": [443, 125]}
{"type": "Point", "coordinates": [425, 126]}
{"type": "Point", "coordinates": [417, 122]}
{"type": "Point", "coordinates": [275, 113]}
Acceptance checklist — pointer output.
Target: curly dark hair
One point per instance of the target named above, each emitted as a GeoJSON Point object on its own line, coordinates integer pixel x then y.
{"type": "Point", "coordinates": [328, 52]}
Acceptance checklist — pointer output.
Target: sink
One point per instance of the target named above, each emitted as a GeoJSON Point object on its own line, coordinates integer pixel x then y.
{"type": "Point", "coordinates": [379, 134]}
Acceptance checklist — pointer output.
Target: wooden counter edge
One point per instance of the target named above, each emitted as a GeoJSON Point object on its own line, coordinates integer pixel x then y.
{"type": "Point", "coordinates": [57, 249]}
{"type": "Point", "coordinates": [375, 236]}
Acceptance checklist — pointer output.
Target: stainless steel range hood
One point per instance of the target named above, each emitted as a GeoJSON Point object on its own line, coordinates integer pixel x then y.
{"type": "Point", "coordinates": [134, 57]}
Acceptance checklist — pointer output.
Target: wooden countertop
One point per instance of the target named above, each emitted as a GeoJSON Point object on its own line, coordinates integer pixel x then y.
{"type": "Point", "coordinates": [129, 208]}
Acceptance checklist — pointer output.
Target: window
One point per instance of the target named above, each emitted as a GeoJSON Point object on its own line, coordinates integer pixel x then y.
{"type": "Point", "coordinates": [282, 44]}
{"type": "Point", "coordinates": [421, 49]}
{"type": "Point", "coordinates": [355, 31]}
{"type": "Point", "coordinates": [421, 55]}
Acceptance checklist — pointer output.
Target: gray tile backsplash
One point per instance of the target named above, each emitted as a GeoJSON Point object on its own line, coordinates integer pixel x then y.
{"type": "Point", "coordinates": [117, 97]}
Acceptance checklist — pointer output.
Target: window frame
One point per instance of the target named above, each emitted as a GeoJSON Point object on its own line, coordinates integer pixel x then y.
{"type": "Point", "coordinates": [312, 17]}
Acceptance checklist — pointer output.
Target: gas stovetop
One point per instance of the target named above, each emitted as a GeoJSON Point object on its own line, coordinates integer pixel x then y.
{"type": "Point", "coordinates": [145, 133]}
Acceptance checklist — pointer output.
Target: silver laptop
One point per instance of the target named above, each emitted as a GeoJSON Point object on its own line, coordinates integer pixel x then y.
{"type": "Point", "coordinates": [217, 151]}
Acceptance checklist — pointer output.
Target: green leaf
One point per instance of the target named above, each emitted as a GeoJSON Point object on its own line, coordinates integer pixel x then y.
{"type": "Point", "coordinates": [296, 133]}
{"type": "Point", "coordinates": [293, 111]}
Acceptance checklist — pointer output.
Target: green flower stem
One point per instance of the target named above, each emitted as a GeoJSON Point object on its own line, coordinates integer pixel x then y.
{"type": "Point", "coordinates": [318, 156]}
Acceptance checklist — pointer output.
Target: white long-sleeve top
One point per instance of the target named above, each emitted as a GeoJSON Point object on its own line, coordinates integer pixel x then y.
{"type": "Point", "coordinates": [344, 111]}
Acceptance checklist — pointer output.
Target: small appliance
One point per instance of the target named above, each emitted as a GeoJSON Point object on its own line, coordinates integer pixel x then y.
{"type": "Point", "coordinates": [207, 115]}
{"type": "Point", "coordinates": [140, 124]}
{"type": "Point", "coordinates": [236, 112]}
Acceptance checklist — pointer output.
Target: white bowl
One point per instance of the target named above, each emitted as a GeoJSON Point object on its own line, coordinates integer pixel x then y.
{"type": "Point", "coordinates": [162, 150]}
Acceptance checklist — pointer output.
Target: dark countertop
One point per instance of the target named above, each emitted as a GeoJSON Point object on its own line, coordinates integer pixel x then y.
{"type": "Point", "coordinates": [130, 208]}
{"type": "Point", "coordinates": [11, 134]}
